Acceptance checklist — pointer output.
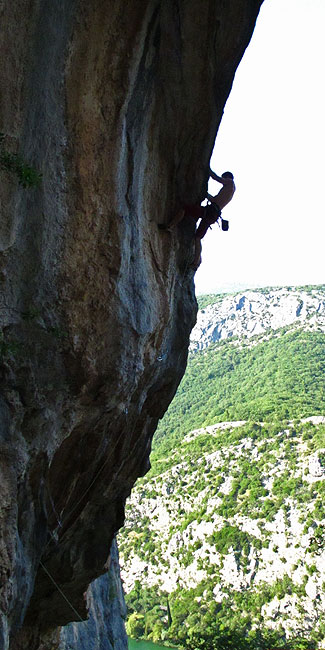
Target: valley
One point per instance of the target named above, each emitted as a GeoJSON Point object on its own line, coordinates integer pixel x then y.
{"type": "Point", "coordinates": [223, 544]}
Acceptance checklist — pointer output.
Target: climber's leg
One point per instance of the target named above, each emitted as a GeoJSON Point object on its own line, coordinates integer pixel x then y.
{"type": "Point", "coordinates": [197, 253]}
{"type": "Point", "coordinates": [200, 232]}
{"type": "Point", "coordinates": [202, 228]}
{"type": "Point", "coordinates": [195, 211]}
{"type": "Point", "coordinates": [174, 221]}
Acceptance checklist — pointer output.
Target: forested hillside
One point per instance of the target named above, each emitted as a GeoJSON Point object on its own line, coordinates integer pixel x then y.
{"type": "Point", "coordinates": [223, 544]}
{"type": "Point", "coordinates": [277, 379]}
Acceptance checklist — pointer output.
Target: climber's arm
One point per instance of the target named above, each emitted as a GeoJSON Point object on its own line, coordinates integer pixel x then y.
{"type": "Point", "coordinates": [216, 177]}
{"type": "Point", "coordinates": [213, 199]}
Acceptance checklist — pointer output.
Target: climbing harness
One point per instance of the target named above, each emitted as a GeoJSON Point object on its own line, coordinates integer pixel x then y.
{"type": "Point", "coordinates": [212, 211]}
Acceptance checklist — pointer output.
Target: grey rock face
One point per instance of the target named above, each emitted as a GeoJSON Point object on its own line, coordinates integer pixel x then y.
{"type": "Point", "coordinates": [117, 105]}
{"type": "Point", "coordinates": [104, 628]}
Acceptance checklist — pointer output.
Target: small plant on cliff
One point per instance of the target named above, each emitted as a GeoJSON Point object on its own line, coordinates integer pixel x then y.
{"type": "Point", "coordinates": [13, 163]}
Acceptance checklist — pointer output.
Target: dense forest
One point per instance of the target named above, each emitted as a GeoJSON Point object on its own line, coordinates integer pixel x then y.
{"type": "Point", "coordinates": [258, 380]}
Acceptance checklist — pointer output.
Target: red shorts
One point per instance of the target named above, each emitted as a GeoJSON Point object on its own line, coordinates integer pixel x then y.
{"type": "Point", "coordinates": [197, 212]}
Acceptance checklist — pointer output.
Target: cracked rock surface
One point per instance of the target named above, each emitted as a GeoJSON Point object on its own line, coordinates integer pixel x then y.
{"type": "Point", "coordinates": [117, 105]}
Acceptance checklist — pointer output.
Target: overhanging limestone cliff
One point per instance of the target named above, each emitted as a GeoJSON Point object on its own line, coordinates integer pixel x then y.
{"type": "Point", "coordinates": [117, 105]}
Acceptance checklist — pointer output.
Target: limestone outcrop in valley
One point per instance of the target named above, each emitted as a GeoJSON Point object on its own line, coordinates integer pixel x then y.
{"type": "Point", "coordinates": [259, 311]}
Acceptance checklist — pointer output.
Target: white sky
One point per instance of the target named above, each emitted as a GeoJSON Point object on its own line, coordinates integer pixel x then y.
{"type": "Point", "coordinates": [272, 137]}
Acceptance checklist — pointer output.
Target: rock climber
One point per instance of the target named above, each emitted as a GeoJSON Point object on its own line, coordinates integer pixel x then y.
{"type": "Point", "coordinates": [208, 214]}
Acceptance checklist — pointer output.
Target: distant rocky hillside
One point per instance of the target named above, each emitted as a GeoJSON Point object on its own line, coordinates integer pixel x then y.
{"type": "Point", "coordinates": [224, 540]}
{"type": "Point", "coordinates": [249, 313]}
{"type": "Point", "coordinates": [236, 518]}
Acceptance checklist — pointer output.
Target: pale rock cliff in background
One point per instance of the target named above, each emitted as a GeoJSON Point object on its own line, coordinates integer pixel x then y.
{"type": "Point", "coordinates": [117, 105]}
{"type": "Point", "coordinates": [254, 312]}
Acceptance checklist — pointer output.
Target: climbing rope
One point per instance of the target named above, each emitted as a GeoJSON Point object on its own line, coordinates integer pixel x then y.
{"type": "Point", "coordinates": [61, 523]}
{"type": "Point", "coordinates": [66, 517]}
{"type": "Point", "coordinates": [61, 592]}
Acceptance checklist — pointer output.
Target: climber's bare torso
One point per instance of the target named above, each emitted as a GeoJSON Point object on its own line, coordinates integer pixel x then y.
{"type": "Point", "coordinates": [226, 193]}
